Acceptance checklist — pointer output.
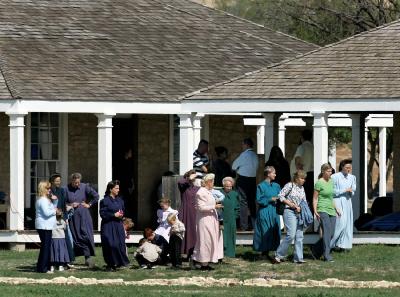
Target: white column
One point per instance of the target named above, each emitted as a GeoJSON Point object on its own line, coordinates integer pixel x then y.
{"type": "Point", "coordinates": [17, 165]}
{"type": "Point", "coordinates": [282, 133]}
{"type": "Point", "coordinates": [356, 155]}
{"type": "Point", "coordinates": [268, 134]}
{"type": "Point", "coordinates": [260, 139]}
{"type": "Point", "coordinates": [186, 143]}
{"type": "Point", "coordinates": [382, 161]}
{"type": "Point", "coordinates": [320, 135]}
{"type": "Point", "coordinates": [196, 122]}
{"type": "Point", "coordinates": [366, 165]}
{"type": "Point", "coordinates": [104, 143]}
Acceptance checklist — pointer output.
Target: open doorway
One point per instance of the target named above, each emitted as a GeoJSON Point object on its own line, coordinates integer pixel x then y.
{"type": "Point", "coordinates": [125, 162]}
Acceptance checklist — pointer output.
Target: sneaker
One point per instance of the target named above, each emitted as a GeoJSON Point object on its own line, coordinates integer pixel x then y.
{"type": "Point", "coordinates": [50, 272]}
{"type": "Point", "coordinates": [276, 260]}
{"type": "Point", "coordinates": [70, 266]}
{"type": "Point", "coordinates": [52, 268]}
{"type": "Point", "coordinates": [61, 268]}
{"type": "Point", "coordinates": [149, 266]}
{"type": "Point", "coordinates": [144, 266]}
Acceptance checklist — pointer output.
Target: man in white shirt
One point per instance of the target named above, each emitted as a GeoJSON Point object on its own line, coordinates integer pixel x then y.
{"type": "Point", "coordinates": [246, 166]}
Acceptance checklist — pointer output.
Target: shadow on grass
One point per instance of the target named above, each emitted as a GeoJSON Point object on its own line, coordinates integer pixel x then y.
{"type": "Point", "coordinates": [27, 268]}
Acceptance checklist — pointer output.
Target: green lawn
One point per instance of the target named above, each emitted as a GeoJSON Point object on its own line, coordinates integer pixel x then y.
{"type": "Point", "coordinates": [365, 262]}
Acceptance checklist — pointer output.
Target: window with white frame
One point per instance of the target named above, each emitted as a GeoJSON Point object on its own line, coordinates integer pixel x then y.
{"type": "Point", "coordinates": [44, 148]}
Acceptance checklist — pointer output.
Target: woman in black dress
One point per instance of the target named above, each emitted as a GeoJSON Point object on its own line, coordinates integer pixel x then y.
{"type": "Point", "coordinates": [112, 229]}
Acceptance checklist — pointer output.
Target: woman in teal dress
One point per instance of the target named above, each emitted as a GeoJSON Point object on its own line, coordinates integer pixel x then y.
{"type": "Point", "coordinates": [231, 212]}
{"type": "Point", "coordinates": [267, 233]}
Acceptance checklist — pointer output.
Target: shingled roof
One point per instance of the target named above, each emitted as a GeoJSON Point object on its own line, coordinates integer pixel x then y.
{"type": "Point", "coordinates": [128, 50]}
{"type": "Point", "coordinates": [365, 66]}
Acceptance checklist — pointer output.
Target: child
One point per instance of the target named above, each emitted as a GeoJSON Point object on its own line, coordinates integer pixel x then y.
{"type": "Point", "coordinates": [147, 254]}
{"type": "Point", "coordinates": [160, 241]}
{"type": "Point", "coordinates": [162, 214]}
{"type": "Point", "coordinates": [219, 197]}
{"type": "Point", "coordinates": [128, 225]}
{"type": "Point", "coordinates": [59, 252]}
{"type": "Point", "coordinates": [175, 240]}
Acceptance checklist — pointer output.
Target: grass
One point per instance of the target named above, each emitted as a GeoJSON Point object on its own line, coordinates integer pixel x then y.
{"type": "Point", "coordinates": [364, 262]}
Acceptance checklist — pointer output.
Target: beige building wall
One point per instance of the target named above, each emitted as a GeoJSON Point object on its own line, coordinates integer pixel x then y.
{"type": "Point", "coordinates": [5, 154]}
{"type": "Point", "coordinates": [82, 146]}
{"type": "Point", "coordinates": [153, 161]}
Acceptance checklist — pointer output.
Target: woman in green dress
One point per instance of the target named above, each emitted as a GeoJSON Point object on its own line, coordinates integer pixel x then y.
{"type": "Point", "coordinates": [231, 212]}
{"type": "Point", "coordinates": [325, 212]}
{"type": "Point", "coordinates": [267, 233]}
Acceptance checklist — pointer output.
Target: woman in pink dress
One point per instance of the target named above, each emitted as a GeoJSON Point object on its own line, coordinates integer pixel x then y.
{"type": "Point", "coordinates": [207, 248]}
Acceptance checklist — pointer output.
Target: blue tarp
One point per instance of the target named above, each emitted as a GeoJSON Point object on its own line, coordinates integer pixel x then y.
{"type": "Point", "coordinates": [390, 222]}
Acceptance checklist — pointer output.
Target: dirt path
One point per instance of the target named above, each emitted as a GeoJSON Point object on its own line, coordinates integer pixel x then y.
{"type": "Point", "coordinates": [203, 282]}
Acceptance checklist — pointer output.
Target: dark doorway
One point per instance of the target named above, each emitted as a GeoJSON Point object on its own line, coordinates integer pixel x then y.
{"type": "Point", "coordinates": [125, 162]}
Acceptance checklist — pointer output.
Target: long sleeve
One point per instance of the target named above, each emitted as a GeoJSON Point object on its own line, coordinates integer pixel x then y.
{"type": "Point", "coordinates": [48, 209]}
{"type": "Point", "coordinates": [237, 206]}
{"type": "Point", "coordinates": [105, 212]}
{"type": "Point", "coordinates": [261, 197]}
{"type": "Point", "coordinates": [183, 184]}
{"type": "Point", "coordinates": [93, 194]}
{"type": "Point", "coordinates": [203, 203]}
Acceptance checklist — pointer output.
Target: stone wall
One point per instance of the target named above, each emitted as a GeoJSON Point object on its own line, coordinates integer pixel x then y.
{"type": "Point", "coordinates": [82, 146]}
{"type": "Point", "coordinates": [153, 155]}
{"type": "Point", "coordinates": [5, 154]}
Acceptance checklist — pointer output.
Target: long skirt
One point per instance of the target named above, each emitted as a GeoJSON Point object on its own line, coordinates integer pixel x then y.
{"type": "Point", "coordinates": [113, 244]}
{"type": "Point", "coordinates": [343, 237]}
{"type": "Point", "coordinates": [81, 226]}
{"type": "Point", "coordinates": [59, 251]}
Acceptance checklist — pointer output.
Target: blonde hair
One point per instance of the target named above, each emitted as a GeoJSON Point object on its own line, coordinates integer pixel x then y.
{"type": "Point", "coordinates": [210, 176]}
{"type": "Point", "coordinates": [324, 167]}
{"type": "Point", "coordinates": [299, 174]}
{"type": "Point", "coordinates": [165, 200]}
{"type": "Point", "coordinates": [171, 218]}
{"type": "Point", "coordinates": [43, 188]}
{"type": "Point", "coordinates": [128, 223]}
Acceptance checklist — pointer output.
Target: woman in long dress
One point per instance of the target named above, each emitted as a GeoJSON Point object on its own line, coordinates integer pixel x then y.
{"type": "Point", "coordinates": [267, 233]}
{"type": "Point", "coordinates": [231, 212]}
{"type": "Point", "coordinates": [112, 229]}
{"type": "Point", "coordinates": [82, 197]}
{"type": "Point", "coordinates": [187, 211]}
{"type": "Point", "coordinates": [207, 248]}
{"type": "Point", "coordinates": [344, 186]}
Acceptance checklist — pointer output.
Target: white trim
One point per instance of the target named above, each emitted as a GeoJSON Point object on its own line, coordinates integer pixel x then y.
{"type": "Point", "coordinates": [242, 238]}
{"type": "Point", "coordinates": [95, 107]}
{"type": "Point", "coordinates": [292, 105]}
{"type": "Point", "coordinates": [186, 143]}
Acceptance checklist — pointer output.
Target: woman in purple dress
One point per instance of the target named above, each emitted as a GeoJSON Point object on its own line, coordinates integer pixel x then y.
{"type": "Point", "coordinates": [112, 229]}
{"type": "Point", "coordinates": [187, 212]}
{"type": "Point", "coordinates": [82, 197]}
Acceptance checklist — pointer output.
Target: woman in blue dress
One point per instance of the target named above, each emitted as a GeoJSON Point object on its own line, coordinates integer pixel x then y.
{"type": "Point", "coordinates": [344, 186]}
{"type": "Point", "coordinates": [112, 229]}
{"type": "Point", "coordinates": [267, 233]}
{"type": "Point", "coordinates": [82, 197]}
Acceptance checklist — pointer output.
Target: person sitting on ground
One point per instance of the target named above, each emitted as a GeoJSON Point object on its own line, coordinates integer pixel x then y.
{"type": "Point", "coordinates": [175, 240]}
{"type": "Point", "coordinates": [160, 241]}
{"type": "Point", "coordinates": [147, 255]}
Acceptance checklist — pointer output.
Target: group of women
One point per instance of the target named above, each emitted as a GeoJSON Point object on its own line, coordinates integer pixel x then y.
{"type": "Point", "coordinates": [332, 208]}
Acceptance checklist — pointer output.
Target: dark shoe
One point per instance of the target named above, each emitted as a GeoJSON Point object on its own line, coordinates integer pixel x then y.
{"type": "Point", "coordinates": [110, 269]}
{"type": "Point", "coordinates": [206, 268]}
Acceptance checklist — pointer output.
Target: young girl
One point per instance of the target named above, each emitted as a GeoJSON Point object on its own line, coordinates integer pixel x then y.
{"type": "Point", "coordinates": [59, 252]}
{"type": "Point", "coordinates": [175, 240]}
{"type": "Point", "coordinates": [162, 214]}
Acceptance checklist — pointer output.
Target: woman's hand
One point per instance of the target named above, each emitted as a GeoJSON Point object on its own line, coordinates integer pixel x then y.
{"type": "Point", "coordinates": [85, 205]}
{"type": "Point", "coordinates": [118, 214]}
{"type": "Point", "coordinates": [218, 206]}
{"type": "Point", "coordinates": [192, 176]}
{"type": "Point", "coordinates": [75, 204]}
{"type": "Point", "coordinates": [274, 199]}
{"type": "Point", "coordinates": [317, 215]}
{"type": "Point", "coordinates": [297, 208]}
{"type": "Point", "coordinates": [53, 197]}
{"type": "Point", "coordinates": [338, 212]}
